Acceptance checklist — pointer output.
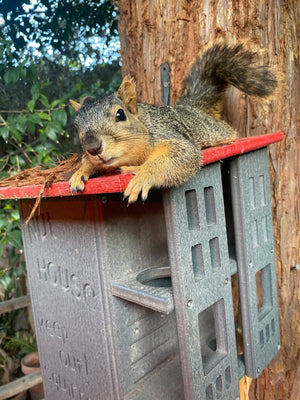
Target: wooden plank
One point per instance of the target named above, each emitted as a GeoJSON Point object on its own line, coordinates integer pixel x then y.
{"type": "Point", "coordinates": [19, 385]}
{"type": "Point", "coordinates": [14, 304]}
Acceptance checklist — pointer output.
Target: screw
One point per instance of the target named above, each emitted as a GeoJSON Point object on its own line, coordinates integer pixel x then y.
{"type": "Point", "coordinates": [104, 199]}
{"type": "Point", "coordinates": [279, 347]}
{"type": "Point", "coordinates": [250, 264]}
{"type": "Point", "coordinates": [190, 303]}
{"type": "Point", "coordinates": [136, 330]}
{"type": "Point", "coordinates": [226, 281]}
{"type": "Point", "coordinates": [258, 370]}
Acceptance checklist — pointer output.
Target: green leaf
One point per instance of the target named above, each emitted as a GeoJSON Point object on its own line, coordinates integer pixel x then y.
{"type": "Point", "coordinates": [16, 134]}
{"type": "Point", "coordinates": [35, 118]}
{"type": "Point", "coordinates": [7, 283]}
{"type": "Point", "coordinates": [3, 222]}
{"type": "Point", "coordinates": [35, 92]}
{"type": "Point", "coordinates": [2, 52]}
{"type": "Point", "coordinates": [14, 238]}
{"type": "Point", "coordinates": [51, 134]}
{"type": "Point", "coordinates": [23, 72]}
{"type": "Point", "coordinates": [15, 214]}
{"type": "Point", "coordinates": [60, 116]}
{"type": "Point", "coordinates": [11, 76]}
{"type": "Point", "coordinates": [54, 103]}
{"type": "Point", "coordinates": [44, 101]}
{"type": "Point", "coordinates": [1, 247]}
{"type": "Point", "coordinates": [30, 105]}
{"type": "Point", "coordinates": [43, 137]}
{"type": "Point", "coordinates": [45, 116]}
{"type": "Point", "coordinates": [4, 132]}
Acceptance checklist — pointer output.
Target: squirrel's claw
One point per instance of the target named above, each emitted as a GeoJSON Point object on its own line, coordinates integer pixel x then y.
{"type": "Point", "coordinates": [137, 185]}
{"type": "Point", "coordinates": [77, 182]}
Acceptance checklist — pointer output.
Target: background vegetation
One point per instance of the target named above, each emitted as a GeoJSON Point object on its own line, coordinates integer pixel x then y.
{"type": "Point", "coordinates": [50, 51]}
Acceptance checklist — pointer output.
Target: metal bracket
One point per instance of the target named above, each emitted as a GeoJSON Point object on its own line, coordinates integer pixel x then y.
{"type": "Point", "coordinates": [165, 83]}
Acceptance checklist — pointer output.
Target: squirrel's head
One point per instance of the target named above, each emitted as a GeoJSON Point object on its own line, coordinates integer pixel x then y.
{"type": "Point", "coordinates": [109, 129]}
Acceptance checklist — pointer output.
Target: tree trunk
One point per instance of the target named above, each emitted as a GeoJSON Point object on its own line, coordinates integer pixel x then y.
{"type": "Point", "coordinates": [154, 32]}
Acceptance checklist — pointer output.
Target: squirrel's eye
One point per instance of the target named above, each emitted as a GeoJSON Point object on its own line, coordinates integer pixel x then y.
{"type": "Point", "coordinates": [120, 115]}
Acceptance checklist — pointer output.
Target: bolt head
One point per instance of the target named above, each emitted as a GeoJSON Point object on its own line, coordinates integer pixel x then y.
{"type": "Point", "coordinates": [190, 303]}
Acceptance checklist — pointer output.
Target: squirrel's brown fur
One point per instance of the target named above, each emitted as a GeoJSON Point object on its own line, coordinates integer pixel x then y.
{"type": "Point", "coordinates": [161, 144]}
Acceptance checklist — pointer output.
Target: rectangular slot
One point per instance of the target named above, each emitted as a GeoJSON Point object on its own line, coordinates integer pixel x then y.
{"type": "Point", "coordinates": [264, 291]}
{"type": "Point", "coordinates": [261, 339]}
{"type": "Point", "coordinates": [259, 295]}
{"type": "Point", "coordinates": [215, 257]}
{"type": "Point", "coordinates": [192, 209]}
{"type": "Point", "coordinates": [219, 387]}
{"type": "Point", "coordinates": [262, 190]}
{"type": "Point", "coordinates": [268, 332]}
{"type": "Point", "coordinates": [198, 261]}
{"type": "Point", "coordinates": [227, 377]}
{"type": "Point", "coordinates": [213, 335]}
{"type": "Point", "coordinates": [254, 229]}
{"type": "Point", "coordinates": [237, 313]}
{"type": "Point", "coordinates": [209, 393]}
{"type": "Point", "coordinates": [264, 228]}
{"type": "Point", "coordinates": [227, 196]}
{"type": "Point", "coordinates": [273, 326]}
{"type": "Point", "coordinates": [252, 193]}
{"type": "Point", "coordinates": [210, 206]}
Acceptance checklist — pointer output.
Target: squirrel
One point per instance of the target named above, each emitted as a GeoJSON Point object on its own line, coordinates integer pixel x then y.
{"type": "Point", "coordinates": [161, 145]}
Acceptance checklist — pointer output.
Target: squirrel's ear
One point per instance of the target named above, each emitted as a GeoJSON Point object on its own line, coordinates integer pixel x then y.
{"type": "Point", "coordinates": [75, 105]}
{"type": "Point", "coordinates": [127, 94]}
{"type": "Point", "coordinates": [78, 106]}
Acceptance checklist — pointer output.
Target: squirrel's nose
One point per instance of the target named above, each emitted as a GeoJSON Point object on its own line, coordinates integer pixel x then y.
{"type": "Point", "coordinates": [93, 151]}
{"type": "Point", "coordinates": [92, 145]}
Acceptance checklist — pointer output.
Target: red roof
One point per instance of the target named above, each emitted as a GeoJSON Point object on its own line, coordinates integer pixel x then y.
{"type": "Point", "coordinates": [116, 183]}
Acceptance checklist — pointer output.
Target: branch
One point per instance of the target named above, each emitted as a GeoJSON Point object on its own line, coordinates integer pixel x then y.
{"type": "Point", "coordinates": [29, 112]}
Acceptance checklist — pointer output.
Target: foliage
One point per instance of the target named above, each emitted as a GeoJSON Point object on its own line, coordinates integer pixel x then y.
{"type": "Point", "coordinates": [11, 351]}
{"type": "Point", "coordinates": [36, 130]}
{"type": "Point", "coordinates": [23, 342]}
{"type": "Point", "coordinates": [69, 28]}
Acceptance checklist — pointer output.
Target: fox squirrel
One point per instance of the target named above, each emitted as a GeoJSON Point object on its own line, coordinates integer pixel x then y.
{"type": "Point", "coordinates": [161, 144]}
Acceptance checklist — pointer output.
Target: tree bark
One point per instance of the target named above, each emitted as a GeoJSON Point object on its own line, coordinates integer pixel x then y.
{"type": "Point", "coordinates": [154, 32]}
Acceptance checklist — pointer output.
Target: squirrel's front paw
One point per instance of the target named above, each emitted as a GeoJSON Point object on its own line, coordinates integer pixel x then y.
{"type": "Point", "coordinates": [77, 181]}
{"type": "Point", "coordinates": [141, 183]}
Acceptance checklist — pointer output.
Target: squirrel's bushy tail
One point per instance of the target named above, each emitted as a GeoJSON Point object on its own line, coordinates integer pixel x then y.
{"type": "Point", "coordinates": [224, 64]}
